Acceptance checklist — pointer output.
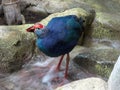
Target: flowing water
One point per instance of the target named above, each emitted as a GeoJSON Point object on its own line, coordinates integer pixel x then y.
{"type": "Point", "coordinates": [41, 74]}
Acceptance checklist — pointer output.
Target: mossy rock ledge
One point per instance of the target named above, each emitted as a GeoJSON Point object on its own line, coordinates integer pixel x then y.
{"type": "Point", "coordinates": [97, 61]}
{"type": "Point", "coordinates": [16, 47]}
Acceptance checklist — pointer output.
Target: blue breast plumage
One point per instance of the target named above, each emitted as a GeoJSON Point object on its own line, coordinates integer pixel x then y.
{"type": "Point", "coordinates": [60, 35]}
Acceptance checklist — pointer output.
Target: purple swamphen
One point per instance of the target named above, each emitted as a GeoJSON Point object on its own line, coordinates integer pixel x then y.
{"type": "Point", "coordinates": [59, 37]}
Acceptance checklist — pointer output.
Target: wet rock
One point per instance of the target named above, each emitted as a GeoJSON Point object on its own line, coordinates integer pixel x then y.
{"type": "Point", "coordinates": [85, 84]}
{"type": "Point", "coordinates": [106, 24]}
{"type": "Point", "coordinates": [16, 47]}
{"type": "Point", "coordinates": [52, 6]}
{"type": "Point", "coordinates": [98, 61]}
{"type": "Point", "coordinates": [114, 79]}
{"type": "Point", "coordinates": [62, 5]}
{"type": "Point", "coordinates": [106, 6]}
{"type": "Point", "coordinates": [87, 15]}
{"type": "Point", "coordinates": [38, 10]}
{"type": "Point", "coordinates": [45, 7]}
{"type": "Point", "coordinates": [40, 72]}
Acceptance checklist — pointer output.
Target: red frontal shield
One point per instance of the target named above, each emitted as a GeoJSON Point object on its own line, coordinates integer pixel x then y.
{"type": "Point", "coordinates": [35, 26]}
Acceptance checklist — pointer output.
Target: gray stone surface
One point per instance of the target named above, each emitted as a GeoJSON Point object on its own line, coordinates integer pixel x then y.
{"type": "Point", "coordinates": [16, 47]}
{"type": "Point", "coordinates": [85, 84]}
{"type": "Point", "coordinates": [98, 61]}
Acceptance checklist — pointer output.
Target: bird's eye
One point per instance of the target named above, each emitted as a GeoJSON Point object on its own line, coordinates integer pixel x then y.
{"type": "Point", "coordinates": [83, 20]}
{"type": "Point", "coordinates": [37, 29]}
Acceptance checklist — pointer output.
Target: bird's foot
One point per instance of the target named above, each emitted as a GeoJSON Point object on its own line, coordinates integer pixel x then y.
{"type": "Point", "coordinates": [59, 81]}
{"type": "Point", "coordinates": [54, 77]}
{"type": "Point", "coordinates": [59, 69]}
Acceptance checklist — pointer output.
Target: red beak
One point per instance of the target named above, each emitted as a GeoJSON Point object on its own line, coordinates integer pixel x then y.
{"type": "Point", "coordinates": [30, 29]}
{"type": "Point", "coordinates": [35, 26]}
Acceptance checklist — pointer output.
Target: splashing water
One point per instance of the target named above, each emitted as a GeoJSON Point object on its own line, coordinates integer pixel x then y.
{"type": "Point", "coordinates": [37, 75]}
{"type": "Point", "coordinates": [45, 63]}
{"type": "Point", "coordinates": [41, 74]}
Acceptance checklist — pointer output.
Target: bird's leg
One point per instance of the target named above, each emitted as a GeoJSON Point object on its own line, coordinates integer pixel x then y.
{"type": "Point", "coordinates": [67, 64]}
{"type": "Point", "coordinates": [58, 66]}
{"type": "Point", "coordinates": [60, 80]}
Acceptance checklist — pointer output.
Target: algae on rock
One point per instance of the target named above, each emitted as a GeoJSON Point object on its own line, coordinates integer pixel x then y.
{"type": "Point", "coordinates": [16, 47]}
{"type": "Point", "coordinates": [98, 61]}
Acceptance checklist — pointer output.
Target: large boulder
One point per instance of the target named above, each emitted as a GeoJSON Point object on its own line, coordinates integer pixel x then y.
{"type": "Point", "coordinates": [106, 27]}
{"type": "Point", "coordinates": [53, 6]}
{"type": "Point", "coordinates": [85, 84]}
{"type": "Point", "coordinates": [99, 61]}
{"type": "Point", "coordinates": [16, 47]}
{"type": "Point", "coordinates": [88, 16]}
{"type": "Point", "coordinates": [107, 22]}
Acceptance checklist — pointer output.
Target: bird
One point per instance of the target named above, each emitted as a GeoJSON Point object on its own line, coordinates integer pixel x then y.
{"type": "Point", "coordinates": [58, 37]}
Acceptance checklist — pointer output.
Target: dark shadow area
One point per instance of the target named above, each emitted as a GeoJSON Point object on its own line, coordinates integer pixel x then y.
{"type": "Point", "coordinates": [31, 17]}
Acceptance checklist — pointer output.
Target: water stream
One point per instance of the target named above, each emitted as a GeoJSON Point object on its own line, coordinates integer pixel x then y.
{"type": "Point", "coordinates": [40, 74]}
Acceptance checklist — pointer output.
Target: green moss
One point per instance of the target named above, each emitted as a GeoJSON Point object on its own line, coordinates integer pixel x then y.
{"type": "Point", "coordinates": [15, 45]}
{"type": "Point", "coordinates": [103, 70]}
{"type": "Point", "coordinates": [98, 61]}
{"type": "Point", "coordinates": [101, 31]}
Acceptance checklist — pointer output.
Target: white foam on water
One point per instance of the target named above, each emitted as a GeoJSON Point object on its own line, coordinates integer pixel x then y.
{"type": "Point", "coordinates": [45, 63]}
{"type": "Point", "coordinates": [50, 75]}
